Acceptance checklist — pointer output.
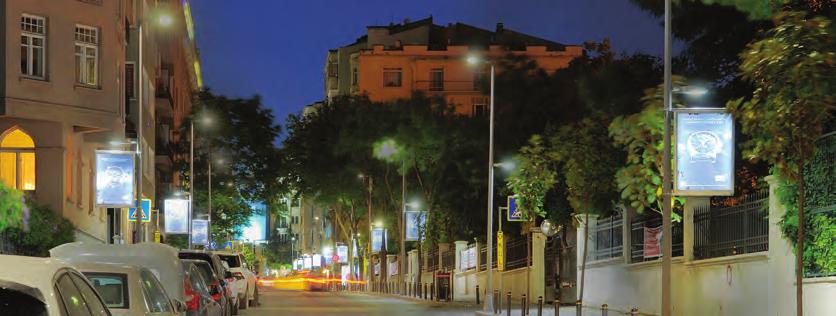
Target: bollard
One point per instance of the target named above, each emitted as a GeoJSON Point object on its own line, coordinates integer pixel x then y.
{"type": "Point", "coordinates": [556, 307]}
{"type": "Point", "coordinates": [425, 290]}
{"type": "Point", "coordinates": [634, 311]}
{"type": "Point", "coordinates": [523, 304]}
{"type": "Point", "coordinates": [497, 306]}
{"type": "Point", "coordinates": [579, 305]}
{"type": "Point", "coordinates": [604, 310]}
{"type": "Point", "coordinates": [432, 291]}
{"type": "Point", "coordinates": [509, 303]}
{"type": "Point", "coordinates": [539, 306]}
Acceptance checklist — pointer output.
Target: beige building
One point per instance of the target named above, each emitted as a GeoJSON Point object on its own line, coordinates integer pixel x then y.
{"type": "Point", "coordinates": [72, 87]}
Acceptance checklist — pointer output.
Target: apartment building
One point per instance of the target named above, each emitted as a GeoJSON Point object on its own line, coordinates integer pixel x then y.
{"type": "Point", "coordinates": [73, 85]}
{"type": "Point", "coordinates": [394, 61]}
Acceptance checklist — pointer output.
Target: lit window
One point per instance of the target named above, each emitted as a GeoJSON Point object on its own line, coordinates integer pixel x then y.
{"type": "Point", "coordinates": [392, 77]}
{"type": "Point", "coordinates": [32, 46]}
{"type": "Point", "coordinates": [86, 55]}
{"type": "Point", "coordinates": [17, 160]}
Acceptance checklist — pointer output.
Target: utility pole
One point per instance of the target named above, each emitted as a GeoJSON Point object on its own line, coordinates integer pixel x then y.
{"type": "Point", "coordinates": [666, 173]}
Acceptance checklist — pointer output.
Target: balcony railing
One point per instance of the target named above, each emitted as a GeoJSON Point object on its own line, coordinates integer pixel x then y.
{"type": "Point", "coordinates": [445, 86]}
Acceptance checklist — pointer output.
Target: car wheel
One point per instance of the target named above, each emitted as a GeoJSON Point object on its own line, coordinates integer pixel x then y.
{"type": "Point", "coordinates": [244, 302]}
{"type": "Point", "coordinates": [254, 301]}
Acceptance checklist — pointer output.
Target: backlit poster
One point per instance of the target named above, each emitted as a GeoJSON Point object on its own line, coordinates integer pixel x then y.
{"type": "Point", "coordinates": [200, 232]}
{"type": "Point", "coordinates": [414, 221]}
{"type": "Point", "coordinates": [342, 253]}
{"type": "Point", "coordinates": [704, 154]}
{"type": "Point", "coordinates": [176, 216]}
{"type": "Point", "coordinates": [378, 238]}
{"type": "Point", "coordinates": [115, 179]}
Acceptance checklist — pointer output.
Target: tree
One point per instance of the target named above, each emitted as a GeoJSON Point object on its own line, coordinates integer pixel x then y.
{"type": "Point", "coordinates": [792, 68]}
{"type": "Point", "coordinates": [533, 178]}
{"type": "Point", "coordinates": [11, 208]}
{"type": "Point", "coordinates": [641, 134]}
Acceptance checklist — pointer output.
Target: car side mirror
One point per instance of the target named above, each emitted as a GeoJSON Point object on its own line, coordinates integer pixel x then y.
{"type": "Point", "coordinates": [179, 306]}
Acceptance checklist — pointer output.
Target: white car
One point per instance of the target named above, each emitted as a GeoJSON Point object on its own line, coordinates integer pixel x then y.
{"type": "Point", "coordinates": [245, 280]}
{"type": "Point", "coordinates": [130, 290]}
{"type": "Point", "coordinates": [46, 287]}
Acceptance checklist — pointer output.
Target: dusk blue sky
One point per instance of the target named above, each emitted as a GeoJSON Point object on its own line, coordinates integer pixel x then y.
{"type": "Point", "coordinates": [277, 48]}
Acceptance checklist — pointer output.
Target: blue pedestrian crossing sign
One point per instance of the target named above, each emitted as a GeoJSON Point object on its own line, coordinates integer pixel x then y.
{"type": "Point", "coordinates": [514, 213]}
{"type": "Point", "coordinates": [145, 212]}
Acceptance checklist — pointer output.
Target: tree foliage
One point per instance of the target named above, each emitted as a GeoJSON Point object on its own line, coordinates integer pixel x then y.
{"type": "Point", "coordinates": [533, 177]}
{"type": "Point", "coordinates": [11, 208]}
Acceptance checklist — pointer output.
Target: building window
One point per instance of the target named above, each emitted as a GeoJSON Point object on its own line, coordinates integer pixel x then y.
{"type": "Point", "coordinates": [32, 46]}
{"type": "Point", "coordinates": [392, 77]}
{"type": "Point", "coordinates": [437, 79]}
{"type": "Point", "coordinates": [480, 109]}
{"type": "Point", "coordinates": [354, 77]}
{"type": "Point", "coordinates": [87, 55]}
{"type": "Point", "coordinates": [333, 69]}
{"type": "Point", "coordinates": [17, 160]}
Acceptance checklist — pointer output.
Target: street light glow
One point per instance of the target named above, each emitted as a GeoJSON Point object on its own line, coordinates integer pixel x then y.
{"type": "Point", "coordinates": [693, 91]}
{"type": "Point", "coordinates": [165, 20]}
{"type": "Point", "coordinates": [378, 224]}
{"type": "Point", "coordinates": [472, 59]}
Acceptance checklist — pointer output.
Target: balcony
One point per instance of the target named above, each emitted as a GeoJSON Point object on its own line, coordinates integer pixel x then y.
{"type": "Point", "coordinates": [446, 86]}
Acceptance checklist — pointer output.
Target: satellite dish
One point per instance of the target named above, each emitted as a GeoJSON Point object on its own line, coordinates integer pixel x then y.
{"type": "Point", "coordinates": [548, 228]}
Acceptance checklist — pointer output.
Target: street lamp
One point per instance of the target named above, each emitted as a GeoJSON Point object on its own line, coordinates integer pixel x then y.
{"type": "Point", "coordinates": [488, 306]}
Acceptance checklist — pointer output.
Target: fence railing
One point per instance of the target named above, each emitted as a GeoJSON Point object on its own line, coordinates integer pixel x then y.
{"type": "Point", "coordinates": [639, 251]}
{"type": "Point", "coordinates": [732, 230]}
{"type": "Point", "coordinates": [483, 258]}
{"type": "Point", "coordinates": [516, 254]}
{"type": "Point", "coordinates": [608, 239]}
{"type": "Point", "coordinates": [432, 261]}
{"type": "Point", "coordinates": [448, 260]}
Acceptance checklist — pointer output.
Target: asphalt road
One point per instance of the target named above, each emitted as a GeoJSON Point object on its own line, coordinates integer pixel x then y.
{"type": "Point", "coordinates": [300, 303]}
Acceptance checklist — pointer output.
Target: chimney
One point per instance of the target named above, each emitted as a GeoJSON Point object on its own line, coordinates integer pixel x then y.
{"type": "Point", "coordinates": [500, 27]}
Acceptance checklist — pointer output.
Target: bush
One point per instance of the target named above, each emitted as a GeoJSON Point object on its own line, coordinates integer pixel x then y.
{"type": "Point", "coordinates": [46, 230]}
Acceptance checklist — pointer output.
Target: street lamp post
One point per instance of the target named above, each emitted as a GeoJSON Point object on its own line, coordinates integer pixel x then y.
{"type": "Point", "coordinates": [488, 306]}
{"type": "Point", "coordinates": [666, 173]}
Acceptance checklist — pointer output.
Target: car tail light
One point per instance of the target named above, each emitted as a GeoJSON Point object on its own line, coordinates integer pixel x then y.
{"type": "Point", "coordinates": [238, 275]}
{"type": "Point", "coordinates": [217, 290]}
{"type": "Point", "coordinates": [192, 297]}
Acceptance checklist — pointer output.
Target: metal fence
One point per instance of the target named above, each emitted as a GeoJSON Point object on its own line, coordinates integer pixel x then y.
{"type": "Point", "coordinates": [432, 260]}
{"type": "Point", "coordinates": [516, 254]}
{"type": "Point", "coordinates": [824, 211]}
{"type": "Point", "coordinates": [448, 260]}
{"type": "Point", "coordinates": [608, 238]}
{"type": "Point", "coordinates": [651, 221]}
{"type": "Point", "coordinates": [732, 230]}
{"type": "Point", "coordinates": [483, 258]}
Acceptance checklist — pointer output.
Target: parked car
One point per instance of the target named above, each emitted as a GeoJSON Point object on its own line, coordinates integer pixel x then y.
{"type": "Point", "coordinates": [246, 281]}
{"type": "Point", "coordinates": [199, 299]}
{"type": "Point", "coordinates": [216, 290]}
{"type": "Point", "coordinates": [130, 290]}
{"type": "Point", "coordinates": [161, 260]}
{"type": "Point", "coordinates": [46, 287]}
{"type": "Point", "coordinates": [218, 276]}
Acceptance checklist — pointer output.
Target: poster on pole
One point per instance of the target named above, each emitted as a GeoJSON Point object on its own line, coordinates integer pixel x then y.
{"type": "Point", "coordinates": [378, 239]}
{"type": "Point", "coordinates": [704, 154]}
{"type": "Point", "coordinates": [342, 253]}
{"type": "Point", "coordinates": [115, 178]}
{"type": "Point", "coordinates": [200, 232]}
{"type": "Point", "coordinates": [415, 220]}
{"type": "Point", "coordinates": [515, 214]}
{"type": "Point", "coordinates": [176, 216]}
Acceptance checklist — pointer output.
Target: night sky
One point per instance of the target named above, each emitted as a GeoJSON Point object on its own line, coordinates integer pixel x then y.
{"type": "Point", "coordinates": [277, 48]}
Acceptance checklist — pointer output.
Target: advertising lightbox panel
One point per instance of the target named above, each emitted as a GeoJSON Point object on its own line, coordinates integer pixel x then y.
{"type": "Point", "coordinates": [342, 253]}
{"type": "Point", "coordinates": [200, 232]}
{"type": "Point", "coordinates": [115, 179]}
{"type": "Point", "coordinates": [256, 230]}
{"type": "Point", "coordinates": [704, 154]}
{"type": "Point", "coordinates": [378, 238]}
{"type": "Point", "coordinates": [414, 221]}
{"type": "Point", "coordinates": [176, 216]}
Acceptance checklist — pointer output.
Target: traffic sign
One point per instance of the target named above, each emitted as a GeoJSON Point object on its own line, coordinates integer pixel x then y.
{"type": "Point", "coordinates": [500, 251]}
{"type": "Point", "coordinates": [514, 213]}
{"type": "Point", "coordinates": [144, 215]}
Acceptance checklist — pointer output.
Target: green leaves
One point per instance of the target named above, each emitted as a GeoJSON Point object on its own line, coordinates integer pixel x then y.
{"type": "Point", "coordinates": [11, 208]}
{"type": "Point", "coordinates": [533, 177]}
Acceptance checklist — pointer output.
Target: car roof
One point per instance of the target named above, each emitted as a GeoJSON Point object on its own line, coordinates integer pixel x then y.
{"type": "Point", "coordinates": [160, 259]}
{"type": "Point", "coordinates": [34, 272]}
{"type": "Point", "coordinates": [107, 267]}
{"type": "Point", "coordinates": [225, 253]}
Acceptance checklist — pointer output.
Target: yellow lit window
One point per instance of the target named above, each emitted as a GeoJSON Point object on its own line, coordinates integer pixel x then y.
{"type": "Point", "coordinates": [17, 160]}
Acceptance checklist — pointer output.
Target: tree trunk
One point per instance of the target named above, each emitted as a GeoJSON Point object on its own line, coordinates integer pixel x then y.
{"type": "Point", "coordinates": [585, 252]}
{"type": "Point", "coordinates": [799, 249]}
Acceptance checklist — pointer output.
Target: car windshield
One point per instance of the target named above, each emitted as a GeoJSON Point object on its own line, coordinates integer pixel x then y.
{"type": "Point", "coordinates": [231, 260]}
{"type": "Point", "coordinates": [19, 300]}
{"type": "Point", "coordinates": [205, 271]}
{"type": "Point", "coordinates": [112, 287]}
{"type": "Point", "coordinates": [198, 256]}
